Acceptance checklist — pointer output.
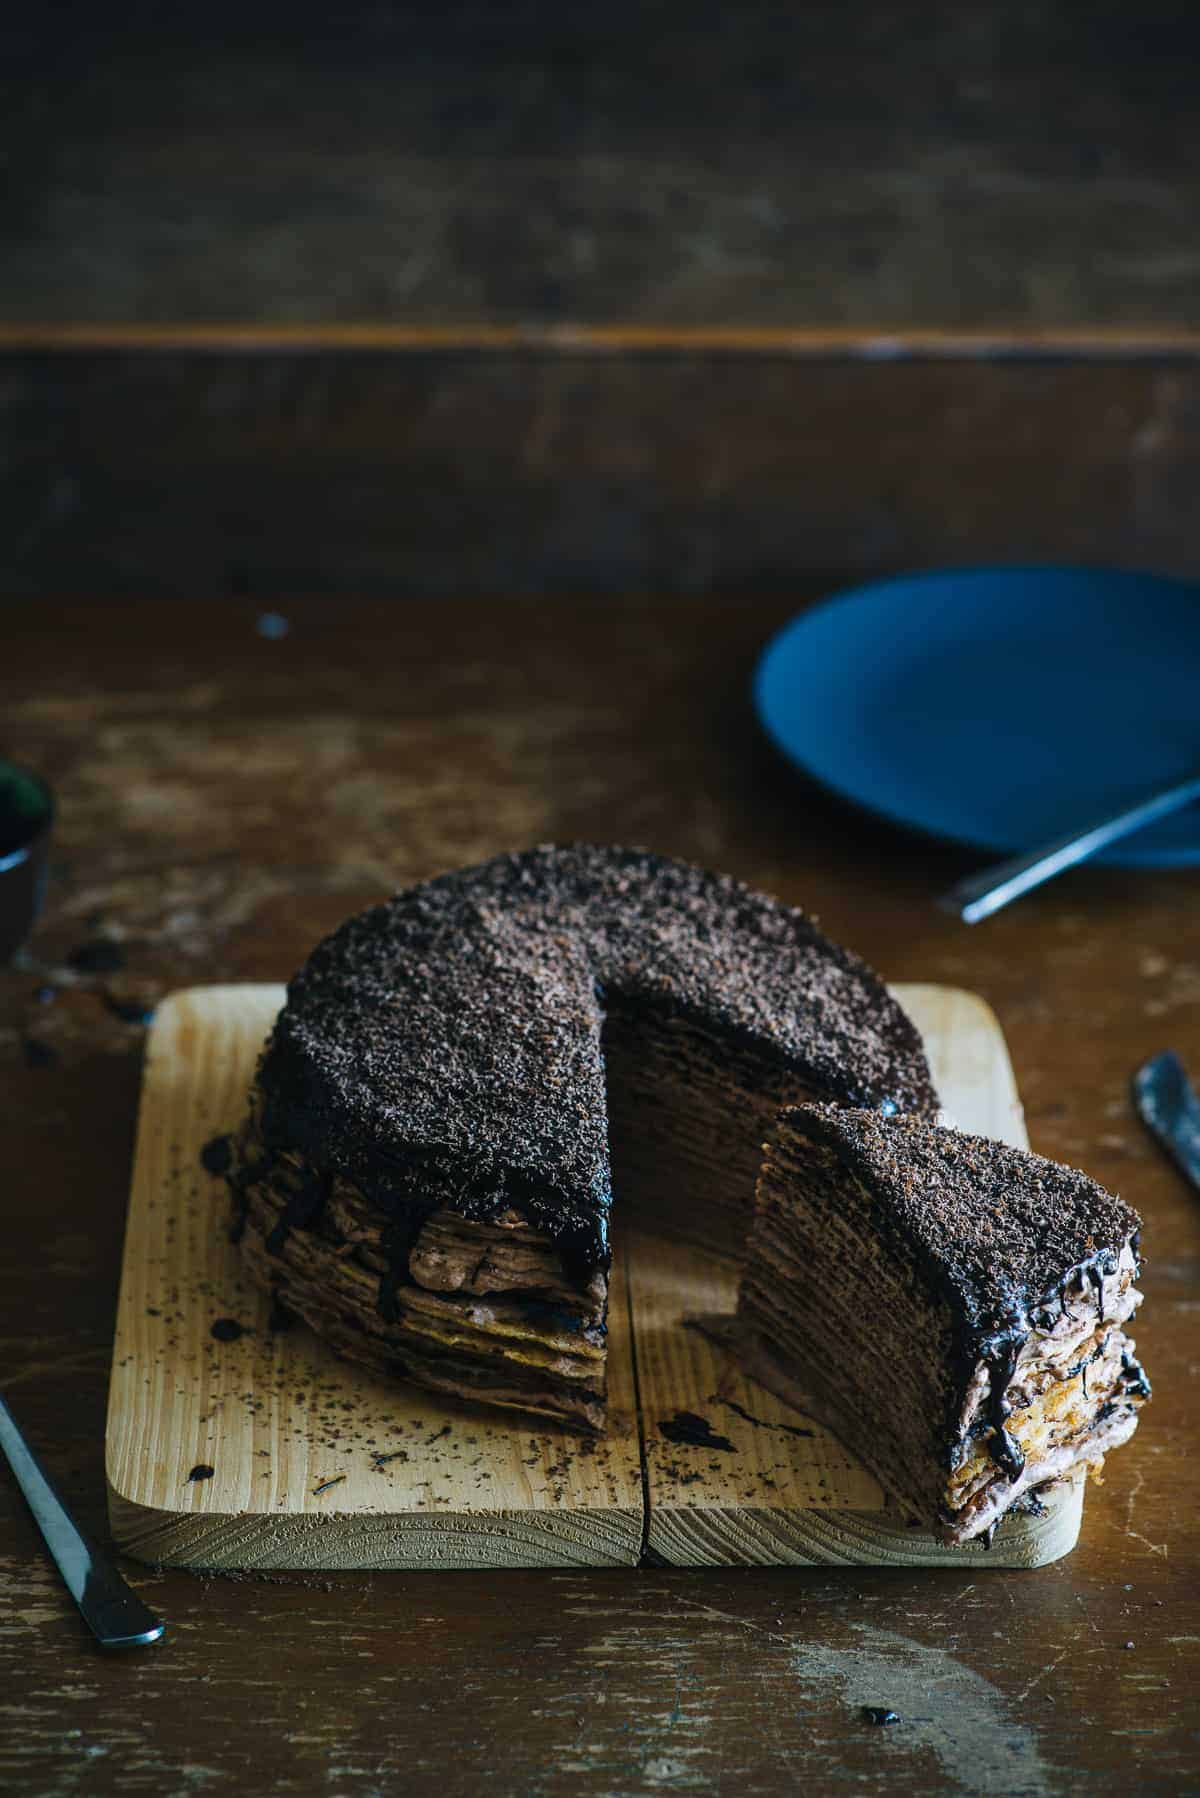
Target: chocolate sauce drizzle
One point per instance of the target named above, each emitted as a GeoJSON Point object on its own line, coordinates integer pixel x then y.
{"type": "Point", "coordinates": [241, 1177]}
{"type": "Point", "coordinates": [1001, 1352]}
{"type": "Point", "coordinates": [398, 1239]}
{"type": "Point", "coordinates": [1094, 1274]}
{"type": "Point", "coordinates": [301, 1211]}
{"type": "Point", "coordinates": [1001, 1358]}
{"type": "Point", "coordinates": [1134, 1377]}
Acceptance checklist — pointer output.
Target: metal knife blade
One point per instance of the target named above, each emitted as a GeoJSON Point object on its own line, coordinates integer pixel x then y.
{"type": "Point", "coordinates": [113, 1612]}
{"type": "Point", "coordinates": [1166, 1102]}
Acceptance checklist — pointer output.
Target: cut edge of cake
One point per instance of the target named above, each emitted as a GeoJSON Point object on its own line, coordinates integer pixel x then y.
{"type": "Point", "coordinates": [952, 1307]}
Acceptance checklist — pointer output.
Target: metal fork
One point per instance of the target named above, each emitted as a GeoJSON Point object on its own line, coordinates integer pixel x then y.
{"type": "Point", "coordinates": [980, 895]}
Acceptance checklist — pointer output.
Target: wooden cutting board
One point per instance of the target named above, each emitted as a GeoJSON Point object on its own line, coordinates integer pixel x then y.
{"type": "Point", "coordinates": [266, 1451]}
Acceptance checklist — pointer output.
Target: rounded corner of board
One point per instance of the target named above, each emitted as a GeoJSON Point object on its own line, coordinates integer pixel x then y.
{"type": "Point", "coordinates": [129, 1523]}
{"type": "Point", "coordinates": [935, 992]}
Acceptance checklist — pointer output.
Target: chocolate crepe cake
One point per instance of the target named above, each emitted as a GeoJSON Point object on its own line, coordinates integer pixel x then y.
{"type": "Point", "coordinates": [952, 1307]}
{"type": "Point", "coordinates": [460, 1078]}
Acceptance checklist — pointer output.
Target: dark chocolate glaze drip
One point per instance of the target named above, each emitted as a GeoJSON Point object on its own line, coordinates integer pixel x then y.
{"type": "Point", "coordinates": [280, 1318]}
{"type": "Point", "coordinates": [1002, 1357]}
{"type": "Point", "coordinates": [242, 1176]}
{"type": "Point", "coordinates": [1005, 1450]}
{"type": "Point", "coordinates": [1134, 1377]}
{"type": "Point", "coordinates": [399, 1236]}
{"type": "Point", "coordinates": [1094, 1273]}
{"type": "Point", "coordinates": [301, 1211]}
{"type": "Point", "coordinates": [1065, 1309]}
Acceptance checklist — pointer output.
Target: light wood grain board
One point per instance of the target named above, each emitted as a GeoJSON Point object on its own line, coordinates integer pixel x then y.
{"type": "Point", "coordinates": [317, 1465]}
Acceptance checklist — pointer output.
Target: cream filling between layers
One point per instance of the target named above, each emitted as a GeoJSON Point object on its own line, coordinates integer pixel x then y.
{"type": "Point", "coordinates": [485, 1309]}
{"type": "Point", "coordinates": [1066, 1376]}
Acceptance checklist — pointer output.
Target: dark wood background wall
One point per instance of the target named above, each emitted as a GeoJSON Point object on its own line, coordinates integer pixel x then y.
{"type": "Point", "coordinates": [1021, 163]}
{"type": "Point", "coordinates": [280, 473]}
{"type": "Point", "coordinates": [643, 298]}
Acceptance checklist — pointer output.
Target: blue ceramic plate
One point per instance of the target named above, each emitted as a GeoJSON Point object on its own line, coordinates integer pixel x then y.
{"type": "Point", "coordinates": [998, 707]}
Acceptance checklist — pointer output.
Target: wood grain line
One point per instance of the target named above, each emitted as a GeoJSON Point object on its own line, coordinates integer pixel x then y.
{"type": "Point", "coordinates": [857, 343]}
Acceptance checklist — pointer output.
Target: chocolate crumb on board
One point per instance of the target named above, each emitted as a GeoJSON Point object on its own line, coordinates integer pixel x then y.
{"type": "Point", "coordinates": [216, 1157]}
{"type": "Point", "coordinates": [201, 1471]}
{"type": "Point", "coordinates": [227, 1329]}
{"type": "Point", "coordinates": [397, 1454]}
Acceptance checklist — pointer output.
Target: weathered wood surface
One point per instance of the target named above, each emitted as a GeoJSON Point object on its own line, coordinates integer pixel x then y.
{"type": "Point", "coordinates": [259, 1449]}
{"type": "Point", "coordinates": [274, 469]}
{"type": "Point", "coordinates": [829, 163]}
{"type": "Point", "coordinates": [226, 798]}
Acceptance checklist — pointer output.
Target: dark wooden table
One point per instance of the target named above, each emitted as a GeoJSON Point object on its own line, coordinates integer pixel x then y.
{"type": "Point", "coordinates": [226, 797]}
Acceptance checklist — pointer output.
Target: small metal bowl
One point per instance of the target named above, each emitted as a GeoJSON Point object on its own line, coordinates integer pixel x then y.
{"type": "Point", "coordinates": [26, 815]}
